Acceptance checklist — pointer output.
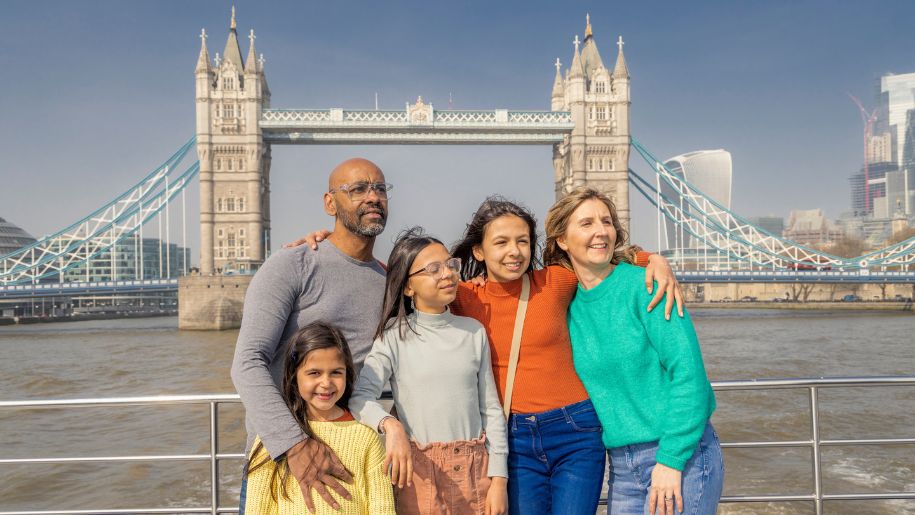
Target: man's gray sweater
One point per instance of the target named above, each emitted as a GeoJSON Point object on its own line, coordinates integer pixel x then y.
{"type": "Point", "coordinates": [294, 288]}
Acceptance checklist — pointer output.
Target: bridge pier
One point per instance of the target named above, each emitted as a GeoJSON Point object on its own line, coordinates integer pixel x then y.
{"type": "Point", "coordinates": [211, 303]}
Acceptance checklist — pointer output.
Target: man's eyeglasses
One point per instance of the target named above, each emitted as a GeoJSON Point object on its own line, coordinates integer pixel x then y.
{"type": "Point", "coordinates": [359, 190]}
{"type": "Point", "coordinates": [437, 268]}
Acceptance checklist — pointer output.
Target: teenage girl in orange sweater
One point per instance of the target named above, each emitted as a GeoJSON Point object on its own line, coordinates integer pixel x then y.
{"type": "Point", "coordinates": [556, 456]}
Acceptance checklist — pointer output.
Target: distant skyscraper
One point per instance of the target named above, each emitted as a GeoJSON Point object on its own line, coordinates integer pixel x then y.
{"type": "Point", "coordinates": [893, 142]}
{"type": "Point", "coordinates": [897, 98]}
{"type": "Point", "coordinates": [709, 171]}
{"type": "Point", "coordinates": [877, 173]}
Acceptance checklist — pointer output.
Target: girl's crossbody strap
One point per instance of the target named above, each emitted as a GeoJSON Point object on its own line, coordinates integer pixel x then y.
{"type": "Point", "coordinates": [516, 345]}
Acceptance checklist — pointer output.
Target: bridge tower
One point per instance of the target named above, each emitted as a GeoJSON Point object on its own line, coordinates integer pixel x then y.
{"type": "Point", "coordinates": [596, 154]}
{"type": "Point", "coordinates": [234, 160]}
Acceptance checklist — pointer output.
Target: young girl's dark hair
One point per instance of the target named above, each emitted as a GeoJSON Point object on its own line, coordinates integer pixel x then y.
{"type": "Point", "coordinates": [312, 337]}
{"type": "Point", "coordinates": [491, 208]}
{"type": "Point", "coordinates": [396, 305]}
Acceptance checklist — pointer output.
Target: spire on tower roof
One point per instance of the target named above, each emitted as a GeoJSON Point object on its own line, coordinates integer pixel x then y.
{"type": "Point", "coordinates": [251, 61]}
{"type": "Point", "coordinates": [620, 70]}
{"type": "Point", "coordinates": [232, 52]}
{"type": "Point", "coordinates": [590, 57]}
{"type": "Point", "coordinates": [576, 69]}
{"type": "Point", "coordinates": [203, 60]}
{"type": "Point", "coordinates": [557, 82]}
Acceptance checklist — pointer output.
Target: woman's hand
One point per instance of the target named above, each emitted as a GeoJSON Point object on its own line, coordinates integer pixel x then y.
{"type": "Point", "coordinates": [311, 239]}
{"type": "Point", "coordinates": [665, 490]}
{"type": "Point", "coordinates": [497, 496]}
{"type": "Point", "coordinates": [658, 269]}
{"type": "Point", "coordinates": [398, 454]}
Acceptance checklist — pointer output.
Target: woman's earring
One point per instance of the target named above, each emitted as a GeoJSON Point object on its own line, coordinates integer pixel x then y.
{"type": "Point", "coordinates": [412, 306]}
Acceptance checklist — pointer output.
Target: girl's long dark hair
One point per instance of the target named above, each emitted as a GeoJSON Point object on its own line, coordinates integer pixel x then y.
{"type": "Point", "coordinates": [491, 208]}
{"type": "Point", "coordinates": [312, 337]}
{"type": "Point", "coordinates": [396, 305]}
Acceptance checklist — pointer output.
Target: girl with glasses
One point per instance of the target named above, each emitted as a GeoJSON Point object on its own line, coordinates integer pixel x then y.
{"type": "Point", "coordinates": [447, 449]}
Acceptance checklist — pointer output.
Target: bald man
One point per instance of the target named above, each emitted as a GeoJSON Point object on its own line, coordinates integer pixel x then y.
{"type": "Point", "coordinates": [341, 284]}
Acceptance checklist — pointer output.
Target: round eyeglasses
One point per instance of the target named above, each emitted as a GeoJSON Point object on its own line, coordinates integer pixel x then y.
{"type": "Point", "coordinates": [357, 191]}
{"type": "Point", "coordinates": [437, 268]}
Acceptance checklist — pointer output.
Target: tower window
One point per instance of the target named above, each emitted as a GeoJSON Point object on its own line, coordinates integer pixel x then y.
{"type": "Point", "coordinates": [601, 87]}
{"type": "Point", "coordinates": [230, 204]}
{"type": "Point", "coordinates": [219, 210]}
{"type": "Point", "coordinates": [601, 113]}
{"type": "Point", "coordinates": [241, 206]}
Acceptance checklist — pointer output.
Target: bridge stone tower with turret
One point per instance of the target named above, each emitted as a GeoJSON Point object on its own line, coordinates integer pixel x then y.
{"type": "Point", "coordinates": [234, 160]}
{"type": "Point", "coordinates": [596, 154]}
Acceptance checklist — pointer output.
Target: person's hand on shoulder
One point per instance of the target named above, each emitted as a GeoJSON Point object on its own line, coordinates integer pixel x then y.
{"type": "Point", "coordinates": [311, 239]}
{"type": "Point", "coordinates": [659, 270]}
{"type": "Point", "coordinates": [314, 465]}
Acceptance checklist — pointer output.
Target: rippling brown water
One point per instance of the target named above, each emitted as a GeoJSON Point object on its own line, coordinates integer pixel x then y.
{"type": "Point", "coordinates": [150, 356]}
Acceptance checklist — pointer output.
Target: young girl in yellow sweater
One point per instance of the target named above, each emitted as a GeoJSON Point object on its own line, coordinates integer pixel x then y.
{"type": "Point", "coordinates": [318, 378]}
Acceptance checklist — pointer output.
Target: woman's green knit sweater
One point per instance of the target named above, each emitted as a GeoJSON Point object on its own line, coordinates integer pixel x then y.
{"type": "Point", "coordinates": [644, 374]}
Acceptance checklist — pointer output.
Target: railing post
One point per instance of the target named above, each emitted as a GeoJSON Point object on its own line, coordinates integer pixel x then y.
{"type": "Point", "coordinates": [214, 480]}
{"type": "Point", "coordinates": [815, 436]}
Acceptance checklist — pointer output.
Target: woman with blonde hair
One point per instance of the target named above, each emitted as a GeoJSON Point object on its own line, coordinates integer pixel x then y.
{"type": "Point", "coordinates": [645, 376]}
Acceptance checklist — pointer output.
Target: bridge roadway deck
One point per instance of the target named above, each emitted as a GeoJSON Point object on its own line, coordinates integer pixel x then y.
{"type": "Point", "coordinates": [426, 126]}
{"type": "Point", "coordinates": [792, 276]}
{"type": "Point", "coordinates": [21, 291]}
{"type": "Point", "coordinates": [734, 276]}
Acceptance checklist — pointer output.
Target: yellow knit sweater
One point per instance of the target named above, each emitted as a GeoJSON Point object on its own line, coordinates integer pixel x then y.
{"type": "Point", "coordinates": [361, 451]}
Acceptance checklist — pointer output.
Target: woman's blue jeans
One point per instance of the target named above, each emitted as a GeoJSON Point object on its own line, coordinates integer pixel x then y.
{"type": "Point", "coordinates": [555, 461]}
{"type": "Point", "coordinates": [630, 477]}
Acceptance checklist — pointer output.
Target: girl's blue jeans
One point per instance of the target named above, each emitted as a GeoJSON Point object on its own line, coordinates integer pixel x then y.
{"type": "Point", "coordinates": [630, 477]}
{"type": "Point", "coordinates": [555, 461]}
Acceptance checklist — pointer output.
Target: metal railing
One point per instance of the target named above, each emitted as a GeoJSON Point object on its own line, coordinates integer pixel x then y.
{"type": "Point", "coordinates": [213, 457]}
{"type": "Point", "coordinates": [815, 442]}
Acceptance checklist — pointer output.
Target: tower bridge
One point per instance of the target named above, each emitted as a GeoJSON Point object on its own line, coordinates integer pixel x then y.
{"type": "Point", "coordinates": [587, 127]}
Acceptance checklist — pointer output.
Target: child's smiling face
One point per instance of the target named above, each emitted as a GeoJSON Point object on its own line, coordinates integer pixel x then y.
{"type": "Point", "coordinates": [322, 381]}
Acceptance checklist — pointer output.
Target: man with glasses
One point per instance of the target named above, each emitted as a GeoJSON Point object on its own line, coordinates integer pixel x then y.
{"type": "Point", "coordinates": [341, 284]}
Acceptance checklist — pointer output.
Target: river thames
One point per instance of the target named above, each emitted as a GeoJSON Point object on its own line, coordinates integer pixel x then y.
{"type": "Point", "coordinates": [151, 357]}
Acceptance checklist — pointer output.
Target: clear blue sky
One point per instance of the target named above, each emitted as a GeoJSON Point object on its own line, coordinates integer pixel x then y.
{"type": "Point", "coordinates": [95, 94]}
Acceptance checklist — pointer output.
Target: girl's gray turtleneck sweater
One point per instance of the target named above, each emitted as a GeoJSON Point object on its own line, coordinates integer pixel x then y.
{"type": "Point", "coordinates": [442, 380]}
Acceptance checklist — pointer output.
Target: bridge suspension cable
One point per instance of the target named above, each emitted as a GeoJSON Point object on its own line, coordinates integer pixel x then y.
{"type": "Point", "coordinates": [737, 239]}
{"type": "Point", "coordinates": [100, 231]}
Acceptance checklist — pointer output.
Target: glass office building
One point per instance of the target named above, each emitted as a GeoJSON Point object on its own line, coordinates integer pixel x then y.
{"type": "Point", "coordinates": [708, 171]}
{"type": "Point", "coordinates": [132, 259]}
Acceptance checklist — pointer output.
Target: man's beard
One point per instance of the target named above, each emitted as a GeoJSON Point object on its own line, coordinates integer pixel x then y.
{"type": "Point", "coordinates": [353, 221]}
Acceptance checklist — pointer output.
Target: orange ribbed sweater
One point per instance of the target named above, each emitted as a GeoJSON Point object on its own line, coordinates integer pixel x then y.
{"type": "Point", "coordinates": [545, 378]}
